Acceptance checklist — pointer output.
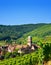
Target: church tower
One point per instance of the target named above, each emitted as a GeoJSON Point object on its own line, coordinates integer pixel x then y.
{"type": "Point", "coordinates": [29, 41]}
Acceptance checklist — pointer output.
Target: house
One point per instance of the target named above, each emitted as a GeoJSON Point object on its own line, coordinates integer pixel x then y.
{"type": "Point", "coordinates": [1, 51]}
{"type": "Point", "coordinates": [11, 48]}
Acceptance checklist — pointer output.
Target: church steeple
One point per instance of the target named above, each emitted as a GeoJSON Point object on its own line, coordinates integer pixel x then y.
{"type": "Point", "coordinates": [29, 41]}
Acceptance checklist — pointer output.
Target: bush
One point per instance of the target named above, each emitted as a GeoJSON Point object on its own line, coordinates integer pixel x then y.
{"type": "Point", "coordinates": [7, 55]}
{"type": "Point", "coordinates": [47, 51]}
{"type": "Point", "coordinates": [1, 57]}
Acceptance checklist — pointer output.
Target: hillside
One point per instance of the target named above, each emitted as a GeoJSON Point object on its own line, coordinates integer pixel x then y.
{"type": "Point", "coordinates": [16, 31]}
{"type": "Point", "coordinates": [42, 33]}
{"type": "Point", "coordinates": [20, 33]}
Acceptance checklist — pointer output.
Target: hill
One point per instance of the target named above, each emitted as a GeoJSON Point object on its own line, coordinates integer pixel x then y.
{"type": "Point", "coordinates": [20, 33]}
{"type": "Point", "coordinates": [42, 33]}
{"type": "Point", "coordinates": [16, 31]}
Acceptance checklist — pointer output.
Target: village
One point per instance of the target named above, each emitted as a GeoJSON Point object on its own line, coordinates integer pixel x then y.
{"type": "Point", "coordinates": [30, 47]}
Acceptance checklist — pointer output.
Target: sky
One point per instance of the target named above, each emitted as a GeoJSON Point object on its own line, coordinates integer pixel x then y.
{"type": "Point", "coordinates": [16, 12]}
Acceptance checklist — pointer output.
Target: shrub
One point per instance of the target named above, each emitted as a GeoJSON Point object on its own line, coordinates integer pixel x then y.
{"type": "Point", "coordinates": [7, 55]}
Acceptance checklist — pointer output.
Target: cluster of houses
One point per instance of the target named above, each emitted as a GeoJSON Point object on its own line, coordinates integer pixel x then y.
{"type": "Point", "coordinates": [21, 48]}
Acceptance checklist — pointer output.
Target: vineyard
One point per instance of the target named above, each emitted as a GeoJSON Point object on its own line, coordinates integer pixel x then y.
{"type": "Point", "coordinates": [29, 59]}
{"type": "Point", "coordinates": [36, 58]}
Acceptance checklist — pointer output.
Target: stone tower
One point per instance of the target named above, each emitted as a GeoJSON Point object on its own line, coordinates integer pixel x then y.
{"type": "Point", "coordinates": [29, 41]}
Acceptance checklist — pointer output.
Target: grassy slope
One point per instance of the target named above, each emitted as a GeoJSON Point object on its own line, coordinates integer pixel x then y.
{"type": "Point", "coordinates": [43, 32]}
